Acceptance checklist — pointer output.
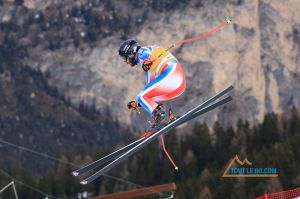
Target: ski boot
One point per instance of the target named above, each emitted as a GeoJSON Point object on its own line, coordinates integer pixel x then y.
{"type": "Point", "coordinates": [171, 116]}
{"type": "Point", "coordinates": [159, 116]}
{"type": "Point", "coordinates": [159, 120]}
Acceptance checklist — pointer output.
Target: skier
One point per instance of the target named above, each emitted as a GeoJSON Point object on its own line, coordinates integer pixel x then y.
{"type": "Point", "coordinates": [165, 79]}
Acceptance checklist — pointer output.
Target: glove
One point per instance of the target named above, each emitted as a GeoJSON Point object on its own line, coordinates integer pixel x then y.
{"type": "Point", "coordinates": [147, 65]}
{"type": "Point", "coordinates": [133, 105]}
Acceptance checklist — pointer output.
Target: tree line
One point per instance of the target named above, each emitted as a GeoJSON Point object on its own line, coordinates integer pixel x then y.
{"type": "Point", "coordinates": [201, 155]}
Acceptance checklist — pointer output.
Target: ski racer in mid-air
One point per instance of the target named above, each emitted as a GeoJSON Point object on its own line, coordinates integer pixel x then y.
{"type": "Point", "coordinates": [165, 79]}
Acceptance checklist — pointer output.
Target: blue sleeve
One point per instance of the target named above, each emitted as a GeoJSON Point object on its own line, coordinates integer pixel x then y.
{"type": "Point", "coordinates": [147, 77]}
{"type": "Point", "coordinates": [143, 54]}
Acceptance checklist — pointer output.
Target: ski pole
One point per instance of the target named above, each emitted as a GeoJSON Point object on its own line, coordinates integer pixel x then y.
{"type": "Point", "coordinates": [228, 21]}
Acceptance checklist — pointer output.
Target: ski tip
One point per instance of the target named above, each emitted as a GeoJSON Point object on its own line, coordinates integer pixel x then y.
{"type": "Point", "coordinates": [176, 168]}
{"type": "Point", "coordinates": [229, 20]}
{"type": "Point", "coordinates": [83, 182]}
{"type": "Point", "coordinates": [75, 173]}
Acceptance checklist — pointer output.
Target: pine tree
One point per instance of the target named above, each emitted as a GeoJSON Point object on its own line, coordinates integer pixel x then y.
{"type": "Point", "coordinates": [29, 179]}
{"type": "Point", "coordinates": [223, 140]}
{"type": "Point", "coordinates": [46, 183]}
{"type": "Point", "coordinates": [294, 124]}
{"type": "Point", "coordinates": [200, 144]}
{"type": "Point", "coordinates": [269, 130]}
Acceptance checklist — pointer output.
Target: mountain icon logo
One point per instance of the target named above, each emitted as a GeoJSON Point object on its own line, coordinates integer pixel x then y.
{"type": "Point", "coordinates": [237, 168]}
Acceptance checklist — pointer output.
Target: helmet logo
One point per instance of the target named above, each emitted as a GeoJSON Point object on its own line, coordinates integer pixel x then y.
{"type": "Point", "coordinates": [126, 48]}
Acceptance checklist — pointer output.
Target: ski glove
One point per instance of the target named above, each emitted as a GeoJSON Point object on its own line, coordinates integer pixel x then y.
{"type": "Point", "coordinates": [133, 105]}
{"type": "Point", "coordinates": [147, 65]}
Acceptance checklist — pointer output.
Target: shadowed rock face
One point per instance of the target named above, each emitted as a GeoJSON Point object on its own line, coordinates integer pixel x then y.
{"type": "Point", "coordinates": [76, 43]}
{"type": "Point", "coordinates": [279, 52]}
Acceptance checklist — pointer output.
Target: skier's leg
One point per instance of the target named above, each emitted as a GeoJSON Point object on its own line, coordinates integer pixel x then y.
{"type": "Point", "coordinates": [170, 84]}
{"type": "Point", "coordinates": [177, 81]}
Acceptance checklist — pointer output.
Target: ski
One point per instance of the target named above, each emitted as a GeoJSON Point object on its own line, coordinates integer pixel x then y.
{"type": "Point", "coordinates": [197, 111]}
{"type": "Point", "coordinates": [204, 110]}
{"type": "Point", "coordinates": [105, 159]}
{"type": "Point", "coordinates": [113, 155]}
{"type": "Point", "coordinates": [147, 141]}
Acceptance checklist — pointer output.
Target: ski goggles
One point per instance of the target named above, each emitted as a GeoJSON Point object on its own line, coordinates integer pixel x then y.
{"type": "Point", "coordinates": [130, 57]}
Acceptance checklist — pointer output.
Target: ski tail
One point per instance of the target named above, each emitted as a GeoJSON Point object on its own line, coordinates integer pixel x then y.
{"type": "Point", "coordinates": [105, 159]}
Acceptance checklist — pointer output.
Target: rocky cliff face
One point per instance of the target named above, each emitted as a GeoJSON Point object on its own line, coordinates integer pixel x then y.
{"type": "Point", "coordinates": [76, 43]}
